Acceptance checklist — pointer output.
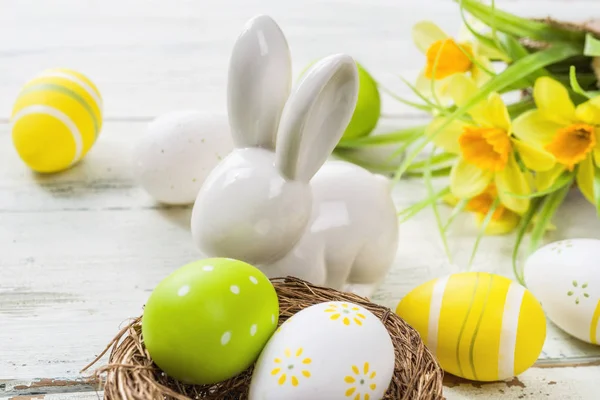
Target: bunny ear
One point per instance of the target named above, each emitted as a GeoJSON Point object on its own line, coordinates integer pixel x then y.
{"type": "Point", "coordinates": [260, 80]}
{"type": "Point", "coordinates": [316, 116]}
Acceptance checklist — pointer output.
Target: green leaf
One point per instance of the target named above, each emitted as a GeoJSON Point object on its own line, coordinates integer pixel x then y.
{"type": "Point", "coordinates": [575, 83]}
{"type": "Point", "coordinates": [416, 91]}
{"type": "Point", "coordinates": [592, 46]}
{"type": "Point", "coordinates": [484, 40]}
{"type": "Point", "coordinates": [518, 108]}
{"type": "Point", "coordinates": [549, 208]}
{"type": "Point", "coordinates": [521, 230]}
{"type": "Point", "coordinates": [597, 189]}
{"type": "Point", "coordinates": [413, 210]}
{"type": "Point", "coordinates": [482, 228]}
{"type": "Point", "coordinates": [565, 179]}
{"type": "Point", "coordinates": [438, 218]}
{"type": "Point", "coordinates": [422, 107]}
{"type": "Point", "coordinates": [519, 26]}
{"type": "Point", "coordinates": [435, 173]}
{"type": "Point", "coordinates": [435, 160]}
{"type": "Point", "coordinates": [401, 135]}
{"type": "Point", "coordinates": [513, 73]}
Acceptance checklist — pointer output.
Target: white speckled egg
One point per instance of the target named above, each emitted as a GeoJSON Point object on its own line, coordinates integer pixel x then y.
{"type": "Point", "coordinates": [334, 350]}
{"type": "Point", "coordinates": [178, 151]}
{"type": "Point", "coordinates": [565, 277]}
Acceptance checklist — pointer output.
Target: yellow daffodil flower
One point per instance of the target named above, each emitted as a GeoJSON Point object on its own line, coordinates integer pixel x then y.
{"type": "Point", "coordinates": [570, 133]}
{"type": "Point", "coordinates": [487, 149]}
{"type": "Point", "coordinates": [446, 56]}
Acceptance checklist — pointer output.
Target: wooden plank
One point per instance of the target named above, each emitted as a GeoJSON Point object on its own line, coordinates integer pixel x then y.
{"type": "Point", "coordinates": [148, 58]}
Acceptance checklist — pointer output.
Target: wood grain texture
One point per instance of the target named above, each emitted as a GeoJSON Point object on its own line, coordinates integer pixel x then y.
{"type": "Point", "coordinates": [82, 250]}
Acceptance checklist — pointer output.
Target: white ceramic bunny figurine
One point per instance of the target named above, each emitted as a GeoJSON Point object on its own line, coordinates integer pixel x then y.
{"type": "Point", "coordinates": [275, 201]}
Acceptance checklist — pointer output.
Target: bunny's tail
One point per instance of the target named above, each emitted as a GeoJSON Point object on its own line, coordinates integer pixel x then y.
{"type": "Point", "coordinates": [387, 183]}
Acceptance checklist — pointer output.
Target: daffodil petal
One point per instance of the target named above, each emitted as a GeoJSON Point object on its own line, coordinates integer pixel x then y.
{"type": "Point", "coordinates": [553, 101]}
{"type": "Point", "coordinates": [466, 180]}
{"type": "Point", "coordinates": [461, 89]}
{"type": "Point", "coordinates": [585, 178]}
{"type": "Point", "coordinates": [588, 112]}
{"type": "Point", "coordinates": [512, 180]}
{"type": "Point", "coordinates": [535, 158]}
{"type": "Point", "coordinates": [425, 33]}
{"type": "Point", "coordinates": [597, 157]}
{"type": "Point", "coordinates": [534, 128]}
{"type": "Point", "coordinates": [423, 85]}
{"type": "Point", "coordinates": [505, 224]}
{"type": "Point", "coordinates": [496, 113]}
{"type": "Point", "coordinates": [480, 76]}
{"type": "Point", "coordinates": [447, 139]}
{"type": "Point", "coordinates": [544, 179]}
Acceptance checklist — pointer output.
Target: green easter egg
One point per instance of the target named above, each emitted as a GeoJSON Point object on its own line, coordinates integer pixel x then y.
{"type": "Point", "coordinates": [209, 320]}
{"type": "Point", "coordinates": [368, 106]}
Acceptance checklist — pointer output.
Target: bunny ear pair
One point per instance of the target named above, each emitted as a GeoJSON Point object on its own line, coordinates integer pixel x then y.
{"type": "Point", "coordinates": [303, 127]}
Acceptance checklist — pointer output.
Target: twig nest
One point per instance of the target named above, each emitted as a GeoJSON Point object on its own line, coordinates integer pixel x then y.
{"type": "Point", "coordinates": [131, 373]}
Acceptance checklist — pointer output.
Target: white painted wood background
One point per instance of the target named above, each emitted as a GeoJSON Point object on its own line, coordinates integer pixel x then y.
{"type": "Point", "coordinates": [81, 251]}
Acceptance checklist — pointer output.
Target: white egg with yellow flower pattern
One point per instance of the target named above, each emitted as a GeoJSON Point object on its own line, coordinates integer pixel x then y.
{"type": "Point", "coordinates": [334, 350]}
{"type": "Point", "coordinates": [479, 326]}
{"type": "Point", "coordinates": [56, 120]}
{"type": "Point", "coordinates": [564, 276]}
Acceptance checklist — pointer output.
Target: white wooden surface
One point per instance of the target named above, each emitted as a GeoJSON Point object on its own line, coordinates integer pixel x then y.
{"type": "Point", "coordinates": [82, 250]}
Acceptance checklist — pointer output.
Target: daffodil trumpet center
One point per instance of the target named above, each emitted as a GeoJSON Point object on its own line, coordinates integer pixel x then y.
{"type": "Point", "coordinates": [572, 144]}
{"type": "Point", "coordinates": [482, 203]}
{"type": "Point", "coordinates": [486, 148]}
{"type": "Point", "coordinates": [445, 57]}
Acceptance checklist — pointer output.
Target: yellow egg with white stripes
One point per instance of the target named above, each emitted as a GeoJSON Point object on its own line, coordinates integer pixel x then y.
{"type": "Point", "coordinates": [479, 326]}
{"type": "Point", "coordinates": [56, 120]}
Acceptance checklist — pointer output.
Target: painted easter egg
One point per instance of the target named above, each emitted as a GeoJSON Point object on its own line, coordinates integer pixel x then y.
{"type": "Point", "coordinates": [479, 326]}
{"type": "Point", "coordinates": [334, 350]}
{"type": "Point", "coordinates": [368, 105]}
{"type": "Point", "coordinates": [178, 151]}
{"type": "Point", "coordinates": [56, 120]}
{"type": "Point", "coordinates": [209, 320]}
{"type": "Point", "coordinates": [564, 276]}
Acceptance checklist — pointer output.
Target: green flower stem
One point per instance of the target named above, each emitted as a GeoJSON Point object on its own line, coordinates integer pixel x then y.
{"type": "Point", "coordinates": [423, 107]}
{"type": "Point", "coordinates": [560, 182]}
{"type": "Point", "coordinates": [592, 46]}
{"type": "Point", "coordinates": [597, 189]}
{"type": "Point", "coordinates": [413, 210]}
{"type": "Point", "coordinates": [399, 136]}
{"type": "Point", "coordinates": [438, 218]}
{"type": "Point", "coordinates": [524, 224]}
{"type": "Point", "coordinates": [434, 160]}
{"type": "Point", "coordinates": [460, 206]}
{"type": "Point", "coordinates": [518, 108]}
{"type": "Point", "coordinates": [484, 225]}
{"type": "Point", "coordinates": [549, 208]}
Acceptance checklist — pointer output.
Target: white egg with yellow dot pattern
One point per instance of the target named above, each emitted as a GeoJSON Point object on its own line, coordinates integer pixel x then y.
{"type": "Point", "coordinates": [479, 326]}
{"type": "Point", "coordinates": [564, 276]}
{"type": "Point", "coordinates": [333, 350]}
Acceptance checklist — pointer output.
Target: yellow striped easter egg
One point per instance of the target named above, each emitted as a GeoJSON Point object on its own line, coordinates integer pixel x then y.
{"type": "Point", "coordinates": [56, 119]}
{"type": "Point", "coordinates": [480, 326]}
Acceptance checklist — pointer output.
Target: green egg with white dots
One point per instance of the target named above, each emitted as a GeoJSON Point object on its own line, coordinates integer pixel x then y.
{"type": "Point", "coordinates": [209, 320]}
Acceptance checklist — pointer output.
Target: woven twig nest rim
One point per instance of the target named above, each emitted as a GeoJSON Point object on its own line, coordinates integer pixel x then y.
{"type": "Point", "coordinates": [130, 373]}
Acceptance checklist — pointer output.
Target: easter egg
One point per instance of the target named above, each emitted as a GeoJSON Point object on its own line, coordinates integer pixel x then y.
{"type": "Point", "coordinates": [368, 105]}
{"type": "Point", "coordinates": [333, 350]}
{"type": "Point", "coordinates": [177, 152]}
{"type": "Point", "coordinates": [564, 276]}
{"type": "Point", "coordinates": [56, 120]}
{"type": "Point", "coordinates": [209, 320]}
{"type": "Point", "coordinates": [479, 326]}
